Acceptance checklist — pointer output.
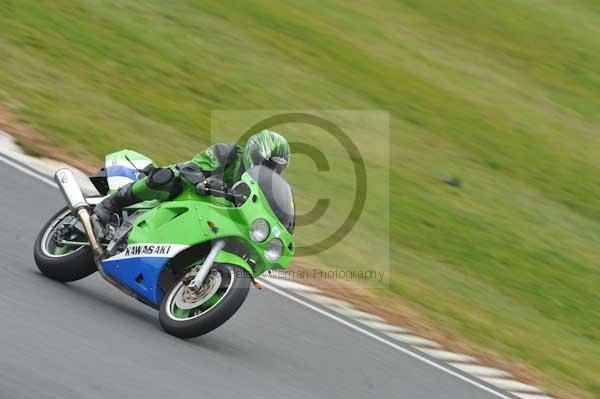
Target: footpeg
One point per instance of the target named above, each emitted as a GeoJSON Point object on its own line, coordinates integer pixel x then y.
{"type": "Point", "coordinates": [119, 242]}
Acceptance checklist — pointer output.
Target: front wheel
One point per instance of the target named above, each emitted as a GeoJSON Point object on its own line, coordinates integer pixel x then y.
{"type": "Point", "coordinates": [68, 262]}
{"type": "Point", "coordinates": [186, 313]}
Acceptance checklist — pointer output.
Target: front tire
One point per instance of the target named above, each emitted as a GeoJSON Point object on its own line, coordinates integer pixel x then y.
{"type": "Point", "coordinates": [67, 263]}
{"type": "Point", "coordinates": [220, 303]}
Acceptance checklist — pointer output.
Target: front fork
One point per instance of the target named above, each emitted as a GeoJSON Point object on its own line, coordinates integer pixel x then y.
{"type": "Point", "coordinates": [198, 280]}
{"type": "Point", "coordinates": [196, 283]}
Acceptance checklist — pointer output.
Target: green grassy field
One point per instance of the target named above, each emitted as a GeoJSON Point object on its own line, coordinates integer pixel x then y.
{"type": "Point", "coordinates": [504, 95]}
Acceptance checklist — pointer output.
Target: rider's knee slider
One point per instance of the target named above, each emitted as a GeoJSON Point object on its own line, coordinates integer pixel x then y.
{"type": "Point", "coordinates": [164, 179]}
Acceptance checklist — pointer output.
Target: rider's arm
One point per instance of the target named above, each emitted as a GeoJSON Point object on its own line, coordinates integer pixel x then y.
{"type": "Point", "coordinates": [215, 158]}
{"type": "Point", "coordinates": [163, 183]}
{"type": "Point", "coordinates": [211, 162]}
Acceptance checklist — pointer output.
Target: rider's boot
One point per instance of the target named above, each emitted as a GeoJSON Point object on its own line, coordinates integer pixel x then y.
{"type": "Point", "coordinates": [114, 204]}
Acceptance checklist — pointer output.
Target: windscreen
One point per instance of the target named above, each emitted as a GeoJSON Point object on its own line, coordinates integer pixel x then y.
{"type": "Point", "coordinates": [278, 194]}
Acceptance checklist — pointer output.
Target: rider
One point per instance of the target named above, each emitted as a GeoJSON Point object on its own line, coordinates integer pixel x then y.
{"type": "Point", "coordinates": [218, 167]}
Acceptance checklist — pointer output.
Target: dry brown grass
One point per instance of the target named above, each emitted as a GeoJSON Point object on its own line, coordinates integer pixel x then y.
{"type": "Point", "coordinates": [34, 143]}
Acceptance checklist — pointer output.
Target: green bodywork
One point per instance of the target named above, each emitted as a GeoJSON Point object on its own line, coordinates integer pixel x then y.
{"type": "Point", "coordinates": [192, 219]}
{"type": "Point", "coordinates": [210, 160]}
{"type": "Point", "coordinates": [128, 155]}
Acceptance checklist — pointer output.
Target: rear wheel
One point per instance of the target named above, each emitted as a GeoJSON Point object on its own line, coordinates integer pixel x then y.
{"type": "Point", "coordinates": [186, 313]}
{"type": "Point", "coordinates": [68, 262]}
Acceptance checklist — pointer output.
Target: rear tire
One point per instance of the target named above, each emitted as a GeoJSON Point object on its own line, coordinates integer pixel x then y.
{"type": "Point", "coordinates": [70, 266]}
{"type": "Point", "coordinates": [190, 325]}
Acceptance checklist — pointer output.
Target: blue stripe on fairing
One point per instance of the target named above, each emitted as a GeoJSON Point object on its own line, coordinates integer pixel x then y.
{"type": "Point", "coordinates": [127, 271]}
{"type": "Point", "coordinates": [120, 170]}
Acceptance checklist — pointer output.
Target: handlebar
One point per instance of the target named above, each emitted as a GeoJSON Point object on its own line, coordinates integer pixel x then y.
{"type": "Point", "coordinates": [229, 196]}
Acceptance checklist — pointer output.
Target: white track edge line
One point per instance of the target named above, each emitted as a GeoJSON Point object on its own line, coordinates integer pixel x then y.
{"type": "Point", "coordinates": [25, 170]}
{"type": "Point", "coordinates": [383, 340]}
{"type": "Point", "coordinates": [319, 310]}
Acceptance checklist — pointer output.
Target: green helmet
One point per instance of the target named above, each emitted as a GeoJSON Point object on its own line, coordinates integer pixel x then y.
{"type": "Point", "coordinates": [267, 148]}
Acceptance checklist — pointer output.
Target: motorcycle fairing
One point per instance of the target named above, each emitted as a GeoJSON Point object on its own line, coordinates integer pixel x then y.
{"type": "Point", "coordinates": [122, 167]}
{"type": "Point", "coordinates": [139, 267]}
{"type": "Point", "coordinates": [189, 220]}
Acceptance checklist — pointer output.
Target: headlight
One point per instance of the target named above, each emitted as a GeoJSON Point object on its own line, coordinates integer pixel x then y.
{"type": "Point", "coordinates": [274, 250]}
{"type": "Point", "coordinates": [259, 230]}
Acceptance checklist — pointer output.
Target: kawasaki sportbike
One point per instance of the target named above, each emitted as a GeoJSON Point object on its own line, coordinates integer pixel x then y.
{"type": "Point", "coordinates": [194, 258]}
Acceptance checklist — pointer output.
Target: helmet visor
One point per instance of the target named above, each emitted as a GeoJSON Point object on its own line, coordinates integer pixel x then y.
{"type": "Point", "coordinates": [278, 164]}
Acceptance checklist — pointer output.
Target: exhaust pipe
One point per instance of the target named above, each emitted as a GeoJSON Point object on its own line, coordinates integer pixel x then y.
{"type": "Point", "coordinates": [70, 190]}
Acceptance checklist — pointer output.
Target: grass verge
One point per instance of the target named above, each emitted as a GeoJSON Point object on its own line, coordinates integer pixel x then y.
{"type": "Point", "coordinates": [503, 95]}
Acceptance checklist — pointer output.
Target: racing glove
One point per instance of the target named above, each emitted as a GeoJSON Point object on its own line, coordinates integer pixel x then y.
{"type": "Point", "coordinates": [211, 185]}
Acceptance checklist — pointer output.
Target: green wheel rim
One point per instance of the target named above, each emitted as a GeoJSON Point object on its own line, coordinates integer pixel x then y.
{"type": "Point", "coordinates": [178, 314]}
{"type": "Point", "coordinates": [186, 313]}
{"type": "Point", "coordinates": [181, 313]}
{"type": "Point", "coordinates": [64, 250]}
{"type": "Point", "coordinates": [50, 248]}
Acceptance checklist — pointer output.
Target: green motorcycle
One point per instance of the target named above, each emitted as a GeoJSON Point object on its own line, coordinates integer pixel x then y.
{"type": "Point", "coordinates": [194, 258]}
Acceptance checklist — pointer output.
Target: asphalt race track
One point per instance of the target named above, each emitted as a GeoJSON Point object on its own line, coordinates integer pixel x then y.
{"type": "Point", "coordinates": [88, 340]}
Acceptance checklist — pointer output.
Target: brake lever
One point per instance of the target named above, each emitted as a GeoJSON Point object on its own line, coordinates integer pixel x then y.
{"type": "Point", "coordinates": [229, 196]}
{"type": "Point", "coordinates": [219, 193]}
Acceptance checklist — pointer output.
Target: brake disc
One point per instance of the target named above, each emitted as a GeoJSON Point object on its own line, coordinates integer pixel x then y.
{"type": "Point", "coordinates": [187, 298]}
